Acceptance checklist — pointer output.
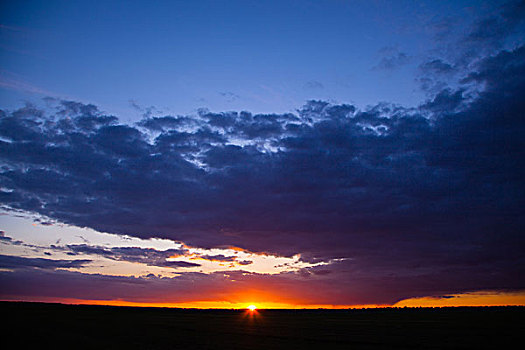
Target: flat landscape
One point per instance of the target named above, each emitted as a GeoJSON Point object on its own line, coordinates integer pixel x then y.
{"type": "Point", "coordinates": [103, 327]}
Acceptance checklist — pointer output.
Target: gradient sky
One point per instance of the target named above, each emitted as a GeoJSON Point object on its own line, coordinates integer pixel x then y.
{"type": "Point", "coordinates": [276, 153]}
{"type": "Point", "coordinates": [261, 56]}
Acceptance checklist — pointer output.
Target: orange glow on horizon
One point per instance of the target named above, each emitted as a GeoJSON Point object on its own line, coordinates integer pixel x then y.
{"type": "Point", "coordinates": [261, 300]}
{"type": "Point", "coordinates": [487, 298]}
{"type": "Point", "coordinates": [196, 304]}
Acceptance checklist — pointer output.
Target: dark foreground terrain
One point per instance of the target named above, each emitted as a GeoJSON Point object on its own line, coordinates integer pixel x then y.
{"type": "Point", "coordinates": [100, 327]}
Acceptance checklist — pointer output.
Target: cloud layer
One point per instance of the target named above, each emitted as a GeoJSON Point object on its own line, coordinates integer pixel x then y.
{"type": "Point", "coordinates": [414, 201]}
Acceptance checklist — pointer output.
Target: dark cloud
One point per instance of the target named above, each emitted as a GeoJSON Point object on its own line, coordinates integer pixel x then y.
{"type": "Point", "coordinates": [317, 287]}
{"type": "Point", "coordinates": [503, 28]}
{"type": "Point", "coordinates": [436, 66]}
{"type": "Point", "coordinates": [435, 75]}
{"type": "Point", "coordinates": [8, 240]}
{"type": "Point", "coordinates": [420, 201]}
{"type": "Point", "coordinates": [148, 256]}
{"type": "Point", "coordinates": [445, 297]}
{"type": "Point", "coordinates": [218, 257]}
{"type": "Point", "coordinates": [180, 264]}
{"type": "Point", "coordinates": [446, 101]}
{"type": "Point", "coordinates": [245, 262]}
{"type": "Point", "coordinates": [392, 61]}
{"type": "Point", "coordinates": [167, 123]}
{"type": "Point", "coordinates": [499, 72]}
{"type": "Point", "coordinates": [492, 31]}
{"type": "Point", "coordinates": [16, 262]}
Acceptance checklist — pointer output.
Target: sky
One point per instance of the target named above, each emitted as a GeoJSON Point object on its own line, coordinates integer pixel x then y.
{"type": "Point", "coordinates": [281, 153]}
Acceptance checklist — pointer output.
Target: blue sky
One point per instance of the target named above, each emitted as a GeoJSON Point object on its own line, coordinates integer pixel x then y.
{"type": "Point", "coordinates": [261, 56]}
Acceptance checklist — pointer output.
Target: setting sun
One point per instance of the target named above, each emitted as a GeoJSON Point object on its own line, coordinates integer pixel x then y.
{"type": "Point", "coordinates": [252, 307]}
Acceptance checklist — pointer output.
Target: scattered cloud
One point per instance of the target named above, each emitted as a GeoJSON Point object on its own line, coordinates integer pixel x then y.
{"type": "Point", "coordinates": [17, 262]}
{"type": "Point", "coordinates": [229, 96]}
{"type": "Point", "coordinates": [459, 54]}
{"type": "Point", "coordinates": [392, 59]}
{"type": "Point", "coordinates": [313, 85]}
{"type": "Point", "coordinates": [147, 256]}
{"type": "Point", "coordinates": [436, 66]}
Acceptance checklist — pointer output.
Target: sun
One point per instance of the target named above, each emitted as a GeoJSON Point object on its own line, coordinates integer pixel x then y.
{"type": "Point", "coordinates": [252, 307]}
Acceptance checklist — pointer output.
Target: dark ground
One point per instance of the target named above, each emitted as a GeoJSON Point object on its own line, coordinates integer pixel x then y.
{"type": "Point", "coordinates": [101, 327]}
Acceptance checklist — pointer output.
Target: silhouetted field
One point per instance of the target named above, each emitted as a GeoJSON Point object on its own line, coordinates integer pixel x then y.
{"type": "Point", "coordinates": [100, 327]}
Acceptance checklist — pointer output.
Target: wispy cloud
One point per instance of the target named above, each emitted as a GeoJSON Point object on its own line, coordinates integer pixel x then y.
{"type": "Point", "coordinates": [229, 96]}
{"type": "Point", "coordinates": [312, 84]}
{"type": "Point", "coordinates": [392, 61]}
{"type": "Point", "coordinates": [11, 81]}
